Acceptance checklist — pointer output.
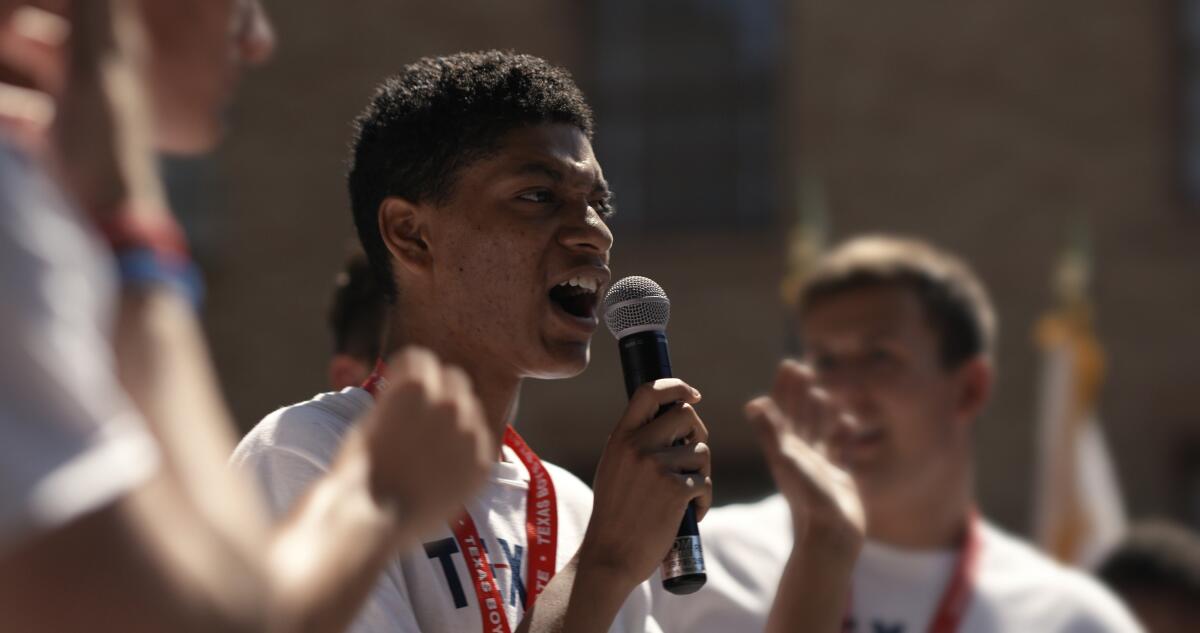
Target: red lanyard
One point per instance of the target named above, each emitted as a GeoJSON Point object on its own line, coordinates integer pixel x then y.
{"type": "Point", "coordinates": [541, 531]}
{"type": "Point", "coordinates": [953, 606]}
{"type": "Point", "coordinates": [958, 592]}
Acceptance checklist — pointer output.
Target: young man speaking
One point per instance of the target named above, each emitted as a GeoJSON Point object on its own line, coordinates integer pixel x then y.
{"type": "Point", "coordinates": [482, 211]}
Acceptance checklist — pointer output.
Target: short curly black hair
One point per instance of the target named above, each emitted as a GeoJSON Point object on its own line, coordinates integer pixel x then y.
{"type": "Point", "coordinates": [439, 115]}
{"type": "Point", "coordinates": [1157, 558]}
{"type": "Point", "coordinates": [356, 312]}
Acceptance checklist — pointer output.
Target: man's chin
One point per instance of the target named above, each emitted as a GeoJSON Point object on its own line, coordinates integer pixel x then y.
{"type": "Point", "coordinates": [872, 477]}
{"type": "Point", "coordinates": [184, 132]}
{"type": "Point", "coordinates": [564, 360]}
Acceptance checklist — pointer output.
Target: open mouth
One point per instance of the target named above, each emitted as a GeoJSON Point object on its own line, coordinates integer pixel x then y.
{"type": "Point", "coordinates": [868, 436]}
{"type": "Point", "coordinates": [577, 296]}
{"type": "Point", "coordinates": [864, 441]}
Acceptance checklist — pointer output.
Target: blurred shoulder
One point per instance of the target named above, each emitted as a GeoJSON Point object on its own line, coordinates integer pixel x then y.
{"type": "Point", "coordinates": [313, 428]}
{"type": "Point", "coordinates": [1013, 571]}
{"type": "Point", "coordinates": [749, 522]}
{"type": "Point", "coordinates": [749, 542]}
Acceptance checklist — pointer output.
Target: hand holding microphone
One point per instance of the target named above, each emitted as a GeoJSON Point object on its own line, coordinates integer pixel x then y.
{"type": "Point", "coordinates": [656, 467]}
{"type": "Point", "coordinates": [640, 493]}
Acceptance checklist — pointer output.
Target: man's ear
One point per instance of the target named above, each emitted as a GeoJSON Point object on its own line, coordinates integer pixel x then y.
{"type": "Point", "coordinates": [346, 371]}
{"type": "Point", "coordinates": [403, 227]}
{"type": "Point", "coordinates": [976, 377]}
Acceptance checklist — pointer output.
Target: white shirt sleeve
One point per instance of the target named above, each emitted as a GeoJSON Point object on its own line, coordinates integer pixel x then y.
{"type": "Point", "coordinates": [284, 475]}
{"type": "Point", "coordinates": [72, 442]}
{"type": "Point", "coordinates": [1091, 608]}
{"type": "Point", "coordinates": [635, 614]}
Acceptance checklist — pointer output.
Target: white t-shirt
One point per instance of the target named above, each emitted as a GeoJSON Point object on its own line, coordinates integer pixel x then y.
{"type": "Point", "coordinates": [70, 441]}
{"type": "Point", "coordinates": [1017, 590]}
{"type": "Point", "coordinates": [428, 589]}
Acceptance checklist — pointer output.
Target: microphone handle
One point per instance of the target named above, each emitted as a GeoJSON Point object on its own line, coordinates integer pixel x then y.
{"type": "Point", "coordinates": [644, 358]}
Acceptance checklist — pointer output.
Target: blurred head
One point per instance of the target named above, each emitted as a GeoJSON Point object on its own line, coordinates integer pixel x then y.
{"type": "Point", "coordinates": [901, 334]}
{"type": "Point", "coordinates": [196, 50]}
{"type": "Point", "coordinates": [1156, 571]}
{"type": "Point", "coordinates": [356, 317]}
{"type": "Point", "coordinates": [481, 209]}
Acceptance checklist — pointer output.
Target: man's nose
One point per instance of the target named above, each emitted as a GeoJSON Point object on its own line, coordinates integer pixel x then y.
{"type": "Point", "coordinates": [588, 232]}
{"type": "Point", "coordinates": [846, 382]}
{"type": "Point", "coordinates": [257, 41]}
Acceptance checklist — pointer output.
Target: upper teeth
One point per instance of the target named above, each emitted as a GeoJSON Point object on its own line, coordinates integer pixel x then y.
{"type": "Point", "coordinates": [587, 283]}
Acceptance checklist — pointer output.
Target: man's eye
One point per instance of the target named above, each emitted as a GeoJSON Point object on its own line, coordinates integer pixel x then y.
{"type": "Point", "coordinates": [604, 207]}
{"type": "Point", "coordinates": [880, 356]}
{"type": "Point", "coordinates": [539, 196]}
{"type": "Point", "coordinates": [824, 363]}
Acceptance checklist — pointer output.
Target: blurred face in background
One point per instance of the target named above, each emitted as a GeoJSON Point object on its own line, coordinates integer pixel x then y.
{"type": "Point", "coordinates": [195, 52]}
{"type": "Point", "coordinates": [876, 352]}
{"type": "Point", "coordinates": [197, 49]}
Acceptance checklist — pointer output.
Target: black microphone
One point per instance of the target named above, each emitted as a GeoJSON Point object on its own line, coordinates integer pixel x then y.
{"type": "Point", "coordinates": [637, 310]}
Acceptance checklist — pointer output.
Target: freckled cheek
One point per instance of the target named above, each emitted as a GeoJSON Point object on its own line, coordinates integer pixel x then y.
{"type": "Point", "coordinates": [499, 287]}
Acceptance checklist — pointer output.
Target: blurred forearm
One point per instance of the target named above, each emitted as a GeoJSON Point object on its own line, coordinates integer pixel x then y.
{"type": "Point", "coordinates": [324, 559]}
{"type": "Point", "coordinates": [814, 592]}
{"type": "Point", "coordinates": [164, 366]}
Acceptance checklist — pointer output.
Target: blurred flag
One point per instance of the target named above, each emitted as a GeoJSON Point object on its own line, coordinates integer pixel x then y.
{"type": "Point", "coordinates": [1080, 514]}
{"type": "Point", "coordinates": [807, 239]}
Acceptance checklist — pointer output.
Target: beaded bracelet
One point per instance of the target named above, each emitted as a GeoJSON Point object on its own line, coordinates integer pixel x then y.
{"type": "Point", "coordinates": [151, 249]}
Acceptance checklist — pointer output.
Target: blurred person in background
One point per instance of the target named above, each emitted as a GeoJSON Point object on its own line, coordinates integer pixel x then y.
{"type": "Point", "coordinates": [117, 512]}
{"type": "Point", "coordinates": [897, 341]}
{"type": "Point", "coordinates": [1156, 571]}
{"type": "Point", "coordinates": [356, 316]}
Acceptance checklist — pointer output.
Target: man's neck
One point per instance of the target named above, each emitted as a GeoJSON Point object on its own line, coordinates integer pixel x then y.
{"type": "Point", "coordinates": [498, 392]}
{"type": "Point", "coordinates": [934, 519]}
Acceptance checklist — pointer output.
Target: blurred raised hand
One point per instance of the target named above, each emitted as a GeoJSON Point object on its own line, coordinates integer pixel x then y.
{"type": "Point", "coordinates": [32, 68]}
{"type": "Point", "coordinates": [800, 427]}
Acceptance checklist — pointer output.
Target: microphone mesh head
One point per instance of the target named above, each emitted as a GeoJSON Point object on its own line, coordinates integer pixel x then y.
{"type": "Point", "coordinates": [636, 304]}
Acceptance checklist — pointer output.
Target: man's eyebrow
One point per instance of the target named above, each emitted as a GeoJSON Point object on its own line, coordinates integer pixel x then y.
{"type": "Point", "coordinates": [879, 335]}
{"type": "Point", "coordinates": [541, 169]}
{"type": "Point", "coordinates": [882, 334]}
{"type": "Point", "coordinates": [538, 168]}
